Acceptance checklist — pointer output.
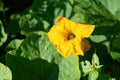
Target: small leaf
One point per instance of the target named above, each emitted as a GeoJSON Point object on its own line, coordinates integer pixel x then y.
{"type": "Point", "coordinates": [98, 38]}
{"type": "Point", "coordinates": [86, 67]}
{"type": "Point", "coordinates": [69, 68]}
{"type": "Point", "coordinates": [95, 60]}
{"type": "Point", "coordinates": [93, 75]}
{"type": "Point", "coordinates": [3, 35]}
{"type": "Point", "coordinates": [5, 72]}
{"type": "Point", "coordinates": [115, 55]}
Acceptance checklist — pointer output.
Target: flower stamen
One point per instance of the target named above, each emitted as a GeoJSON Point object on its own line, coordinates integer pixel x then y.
{"type": "Point", "coordinates": [70, 36]}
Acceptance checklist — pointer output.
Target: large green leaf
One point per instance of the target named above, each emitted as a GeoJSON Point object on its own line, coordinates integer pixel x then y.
{"type": "Point", "coordinates": [69, 68]}
{"type": "Point", "coordinates": [5, 72]}
{"type": "Point", "coordinates": [3, 35]}
{"type": "Point", "coordinates": [109, 9]}
{"type": "Point", "coordinates": [37, 45]}
{"type": "Point", "coordinates": [111, 5]}
{"type": "Point", "coordinates": [34, 59]}
{"type": "Point", "coordinates": [92, 7]}
{"type": "Point", "coordinates": [25, 69]}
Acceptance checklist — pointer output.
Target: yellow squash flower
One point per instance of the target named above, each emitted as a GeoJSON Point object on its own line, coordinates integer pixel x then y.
{"type": "Point", "coordinates": [69, 36]}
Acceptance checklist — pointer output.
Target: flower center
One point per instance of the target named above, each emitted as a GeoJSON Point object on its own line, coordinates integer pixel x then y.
{"type": "Point", "coordinates": [70, 36]}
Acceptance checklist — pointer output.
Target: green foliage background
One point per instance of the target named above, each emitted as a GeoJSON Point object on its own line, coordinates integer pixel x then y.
{"type": "Point", "coordinates": [27, 54]}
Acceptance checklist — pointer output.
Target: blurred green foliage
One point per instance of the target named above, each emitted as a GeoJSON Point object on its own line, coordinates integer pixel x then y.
{"type": "Point", "coordinates": [27, 52]}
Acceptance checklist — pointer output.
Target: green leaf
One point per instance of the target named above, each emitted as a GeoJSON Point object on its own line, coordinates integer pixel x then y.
{"type": "Point", "coordinates": [14, 44]}
{"type": "Point", "coordinates": [35, 58]}
{"type": "Point", "coordinates": [95, 60]}
{"type": "Point", "coordinates": [111, 5]}
{"type": "Point", "coordinates": [5, 72]}
{"type": "Point", "coordinates": [93, 75]}
{"type": "Point", "coordinates": [3, 35]}
{"type": "Point", "coordinates": [115, 55]}
{"type": "Point", "coordinates": [69, 68]}
{"type": "Point", "coordinates": [98, 38]}
{"type": "Point", "coordinates": [37, 45]}
{"type": "Point", "coordinates": [31, 23]}
{"type": "Point", "coordinates": [25, 69]}
{"type": "Point", "coordinates": [64, 8]}
{"type": "Point", "coordinates": [86, 67]}
{"type": "Point", "coordinates": [94, 8]}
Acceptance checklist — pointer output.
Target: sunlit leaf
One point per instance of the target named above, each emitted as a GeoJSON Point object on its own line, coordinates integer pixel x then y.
{"type": "Point", "coordinates": [98, 38]}
{"type": "Point", "coordinates": [86, 67]}
{"type": "Point", "coordinates": [111, 5]}
{"type": "Point", "coordinates": [5, 72]}
{"type": "Point", "coordinates": [115, 55]}
{"type": "Point", "coordinates": [69, 69]}
{"type": "Point", "coordinates": [3, 35]}
{"type": "Point", "coordinates": [95, 59]}
{"type": "Point", "coordinates": [93, 75]}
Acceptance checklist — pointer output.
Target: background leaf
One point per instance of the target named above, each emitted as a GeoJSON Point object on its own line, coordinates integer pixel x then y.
{"type": "Point", "coordinates": [31, 23]}
{"type": "Point", "coordinates": [5, 72]}
{"type": "Point", "coordinates": [3, 35]}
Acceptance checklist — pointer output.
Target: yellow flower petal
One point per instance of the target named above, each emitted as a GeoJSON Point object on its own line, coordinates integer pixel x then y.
{"type": "Point", "coordinates": [57, 34]}
{"type": "Point", "coordinates": [65, 49]}
{"type": "Point", "coordinates": [77, 47]}
{"type": "Point", "coordinates": [84, 30]}
{"type": "Point", "coordinates": [68, 25]}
